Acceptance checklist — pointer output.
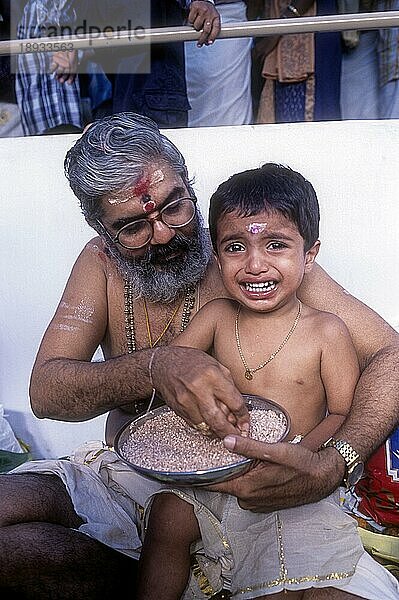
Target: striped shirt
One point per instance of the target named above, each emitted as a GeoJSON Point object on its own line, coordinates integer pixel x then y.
{"type": "Point", "coordinates": [43, 101]}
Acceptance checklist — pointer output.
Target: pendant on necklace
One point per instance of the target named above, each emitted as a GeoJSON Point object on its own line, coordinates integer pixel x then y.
{"type": "Point", "coordinates": [248, 374]}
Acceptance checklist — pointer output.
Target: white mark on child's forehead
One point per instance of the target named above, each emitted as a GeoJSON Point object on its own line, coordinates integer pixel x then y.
{"type": "Point", "coordinates": [256, 227]}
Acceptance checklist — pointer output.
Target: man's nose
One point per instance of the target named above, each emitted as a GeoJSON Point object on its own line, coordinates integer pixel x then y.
{"type": "Point", "coordinates": [162, 233]}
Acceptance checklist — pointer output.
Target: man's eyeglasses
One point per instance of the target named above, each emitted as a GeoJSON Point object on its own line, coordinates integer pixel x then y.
{"type": "Point", "coordinates": [138, 233]}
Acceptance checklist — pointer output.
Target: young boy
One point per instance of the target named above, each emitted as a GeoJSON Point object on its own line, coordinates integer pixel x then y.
{"type": "Point", "coordinates": [264, 227]}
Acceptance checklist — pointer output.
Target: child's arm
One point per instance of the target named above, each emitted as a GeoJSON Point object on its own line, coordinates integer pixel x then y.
{"type": "Point", "coordinates": [201, 329]}
{"type": "Point", "coordinates": [322, 432]}
{"type": "Point", "coordinates": [339, 372]}
{"type": "Point", "coordinates": [200, 334]}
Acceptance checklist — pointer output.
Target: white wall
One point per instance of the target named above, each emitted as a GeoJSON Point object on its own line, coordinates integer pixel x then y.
{"type": "Point", "coordinates": [353, 166]}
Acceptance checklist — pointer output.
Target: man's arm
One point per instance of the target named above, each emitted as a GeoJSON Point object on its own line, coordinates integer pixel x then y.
{"type": "Point", "coordinates": [375, 407]}
{"type": "Point", "coordinates": [204, 17]}
{"type": "Point", "coordinates": [369, 332]}
{"type": "Point", "coordinates": [66, 385]}
{"type": "Point", "coordinates": [290, 474]}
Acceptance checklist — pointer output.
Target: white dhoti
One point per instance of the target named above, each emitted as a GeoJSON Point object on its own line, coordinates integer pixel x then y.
{"type": "Point", "coordinates": [314, 545]}
{"type": "Point", "coordinates": [219, 76]}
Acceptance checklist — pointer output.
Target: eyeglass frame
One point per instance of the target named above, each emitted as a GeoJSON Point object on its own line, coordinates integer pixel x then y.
{"type": "Point", "coordinates": [115, 238]}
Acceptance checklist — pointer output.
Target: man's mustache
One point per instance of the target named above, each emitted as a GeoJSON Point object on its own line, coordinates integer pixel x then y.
{"type": "Point", "coordinates": [155, 253]}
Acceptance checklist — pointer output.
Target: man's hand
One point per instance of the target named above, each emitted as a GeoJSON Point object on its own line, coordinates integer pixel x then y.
{"type": "Point", "coordinates": [65, 65]}
{"type": "Point", "coordinates": [204, 16]}
{"type": "Point", "coordinates": [284, 475]}
{"type": "Point", "coordinates": [200, 389]}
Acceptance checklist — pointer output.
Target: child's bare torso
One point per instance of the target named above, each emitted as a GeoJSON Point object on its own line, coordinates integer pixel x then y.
{"type": "Point", "coordinates": [292, 378]}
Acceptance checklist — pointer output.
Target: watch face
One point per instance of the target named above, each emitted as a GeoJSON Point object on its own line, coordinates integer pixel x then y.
{"type": "Point", "coordinates": [355, 474]}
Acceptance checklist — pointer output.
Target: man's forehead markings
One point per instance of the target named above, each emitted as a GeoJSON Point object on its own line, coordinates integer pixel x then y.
{"type": "Point", "coordinates": [157, 176]}
{"type": "Point", "coordinates": [149, 205]}
{"type": "Point", "coordinates": [141, 189]}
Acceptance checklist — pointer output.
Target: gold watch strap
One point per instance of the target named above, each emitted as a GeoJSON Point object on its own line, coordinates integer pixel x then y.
{"type": "Point", "coordinates": [348, 453]}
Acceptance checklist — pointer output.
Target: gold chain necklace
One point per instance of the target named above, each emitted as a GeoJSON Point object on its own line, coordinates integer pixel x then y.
{"type": "Point", "coordinates": [248, 371]}
{"type": "Point", "coordinates": [189, 303]}
{"type": "Point", "coordinates": [165, 329]}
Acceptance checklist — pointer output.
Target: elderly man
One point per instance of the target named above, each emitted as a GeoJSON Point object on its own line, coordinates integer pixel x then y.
{"type": "Point", "coordinates": [69, 526]}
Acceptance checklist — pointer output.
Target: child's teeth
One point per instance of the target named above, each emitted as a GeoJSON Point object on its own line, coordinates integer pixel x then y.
{"type": "Point", "coordinates": [265, 286]}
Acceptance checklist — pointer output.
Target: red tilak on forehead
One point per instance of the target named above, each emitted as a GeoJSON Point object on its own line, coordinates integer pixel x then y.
{"type": "Point", "coordinates": [148, 205]}
{"type": "Point", "coordinates": [141, 189]}
{"type": "Point", "coordinates": [142, 186]}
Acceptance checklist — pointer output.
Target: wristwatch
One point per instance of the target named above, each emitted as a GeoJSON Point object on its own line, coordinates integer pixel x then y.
{"type": "Point", "coordinates": [354, 466]}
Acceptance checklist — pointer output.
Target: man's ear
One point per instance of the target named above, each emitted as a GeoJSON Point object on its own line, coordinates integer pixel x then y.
{"type": "Point", "coordinates": [310, 256]}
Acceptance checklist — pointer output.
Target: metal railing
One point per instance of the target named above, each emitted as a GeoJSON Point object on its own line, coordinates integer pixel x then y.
{"type": "Point", "coordinates": [363, 21]}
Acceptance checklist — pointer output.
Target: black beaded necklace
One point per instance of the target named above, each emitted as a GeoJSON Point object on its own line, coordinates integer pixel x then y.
{"type": "Point", "coordinates": [189, 303]}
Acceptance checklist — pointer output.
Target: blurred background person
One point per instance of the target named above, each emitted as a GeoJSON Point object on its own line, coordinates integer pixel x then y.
{"type": "Point", "coordinates": [370, 66]}
{"type": "Point", "coordinates": [47, 106]}
{"type": "Point", "coordinates": [10, 118]}
{"type": "Point", "coordinates": [219, 77]}
{"type": "Point", "coordinates": [297, 76]}
{"type": "Point", "coordinates": [147, 79]}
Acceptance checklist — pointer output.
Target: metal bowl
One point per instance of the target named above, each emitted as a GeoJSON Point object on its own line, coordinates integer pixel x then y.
{"type": "Point", "coordinates": [203, 476]}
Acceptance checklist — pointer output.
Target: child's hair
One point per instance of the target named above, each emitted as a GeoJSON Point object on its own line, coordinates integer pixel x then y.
{"type": "Point", "coordinates": [270, 187]}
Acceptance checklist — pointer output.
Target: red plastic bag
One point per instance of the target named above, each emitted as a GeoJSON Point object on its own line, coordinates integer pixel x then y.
{"type": "Point", "coordinates": [379, 489]}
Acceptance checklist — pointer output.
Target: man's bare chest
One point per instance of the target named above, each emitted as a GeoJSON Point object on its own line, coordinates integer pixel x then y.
{"type": "Point", "coordinates": [135, 324]}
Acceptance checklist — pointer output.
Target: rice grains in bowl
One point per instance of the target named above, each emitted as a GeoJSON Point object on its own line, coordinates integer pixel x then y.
{"type": "Point", "coordinates": [162, 446]}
